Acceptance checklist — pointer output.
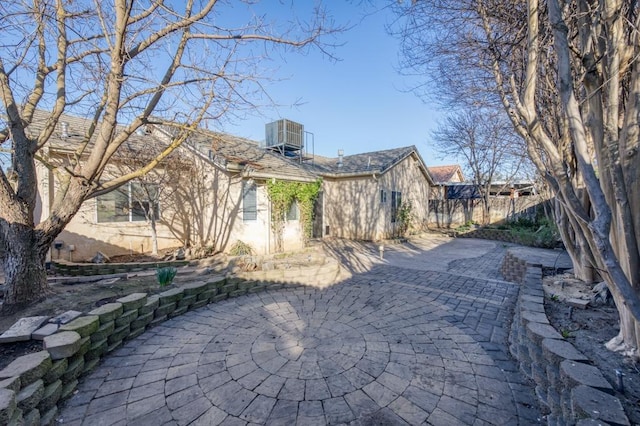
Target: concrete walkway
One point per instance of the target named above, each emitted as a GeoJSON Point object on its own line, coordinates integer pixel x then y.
{"type": "Point", "coordinates": [416, 338]}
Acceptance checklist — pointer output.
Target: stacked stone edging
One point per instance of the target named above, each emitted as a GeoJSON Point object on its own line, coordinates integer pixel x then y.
{"type": "Point", "coordinates": [88, 269]}
{"type": "Point", "coordinates": [570, 389]}
{"type": "Point", "coordinates": [33, 385]}
{"type": "Point", "coordinates": [504, 235]}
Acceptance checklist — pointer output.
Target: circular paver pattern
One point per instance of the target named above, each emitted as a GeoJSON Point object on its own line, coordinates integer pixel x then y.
{"type": "Point", "coordinates": [392, 346]}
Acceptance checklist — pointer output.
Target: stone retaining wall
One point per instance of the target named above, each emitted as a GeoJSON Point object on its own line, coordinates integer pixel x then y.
{"type": "Point", "coordinates": [504, 235]}
{"type": "Point", "coordinates": [33, 385]}
{"type": "Point", "coordinates": [489, 234]}
{"type": "Point", "coordinates": [570, 389]}
{"type": "Point", "coordinates": [84, 269]}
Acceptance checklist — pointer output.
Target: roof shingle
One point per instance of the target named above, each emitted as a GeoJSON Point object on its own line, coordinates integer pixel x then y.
{"type": "Point", "coordinates": [368, 162]}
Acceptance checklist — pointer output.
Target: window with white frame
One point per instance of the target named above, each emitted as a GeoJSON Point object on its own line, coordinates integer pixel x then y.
{"type": "Point", "coordinates": [132, 202]}
{"type": "Point", "coordinates": [249, 201]}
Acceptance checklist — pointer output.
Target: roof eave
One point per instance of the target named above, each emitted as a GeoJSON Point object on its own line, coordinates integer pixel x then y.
{"type": "Point", "coordinates": [267, 176]}
{"type": "Point", "coordinates": [350, 174]}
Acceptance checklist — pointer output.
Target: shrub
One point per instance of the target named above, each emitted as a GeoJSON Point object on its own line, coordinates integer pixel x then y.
{"type": "Point", "coordinates": [542, 233]}
{"type": "Point", "coordinates": [404, 217]}
{"type": "Point", "coordinates": [240, 248]}
{"type": "Point", "coordinates": [166, 275]}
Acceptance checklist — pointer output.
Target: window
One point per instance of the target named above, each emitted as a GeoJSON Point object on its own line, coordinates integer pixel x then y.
{"type": "Point", "coordinates": [129, 203]}
{"type": "Point", "coordinates": [396, 201]}
{"type": "Point", "coordinates": [294, 211]}
{"type": "Point", "coordinates": [143, 197]}
{"type": "Point", "coordinates": [383, 196]}
{"type": "Point", "coordinates": [249, 202]}
{"type": "Point", "coordinates": [114, 206]}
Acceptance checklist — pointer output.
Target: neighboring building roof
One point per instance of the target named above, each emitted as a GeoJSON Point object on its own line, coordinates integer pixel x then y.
{"type": "Point", "coordinates": [368, 163]}
{"type": "Point", "coordinates": [444, 174]}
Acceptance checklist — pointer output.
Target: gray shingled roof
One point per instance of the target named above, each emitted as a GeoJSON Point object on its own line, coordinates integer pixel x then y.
{"type": "Point", "coordinates": [243, 153]}
{"type": "Point", "coordinates": [233, 153]}
{"type": "Point", "coordinates": [236, 154]}
{"type": "Point", "coordinates": [145, 146]}
{"type": "Point", "coordinates": [365, 163]}
{"type": "Point", "coordinates": [377, 162]}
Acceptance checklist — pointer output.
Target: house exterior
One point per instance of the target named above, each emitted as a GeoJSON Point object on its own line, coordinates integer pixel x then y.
{"type": "Point", "coordinates": [362, 193]}
{"type": "Point", "coordinates": [240, 209]}
{"type": "Point", "coordinates": [211, 193]}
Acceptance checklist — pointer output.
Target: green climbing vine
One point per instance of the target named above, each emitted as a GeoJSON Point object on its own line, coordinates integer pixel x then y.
{"type": "Point", "coordinates": [404, 218]}
{"type": "Point", "coordinates": [282, 194]}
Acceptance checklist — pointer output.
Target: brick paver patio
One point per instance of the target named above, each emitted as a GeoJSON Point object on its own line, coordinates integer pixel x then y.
{"type": "Point", "coordinates": [391, 346]}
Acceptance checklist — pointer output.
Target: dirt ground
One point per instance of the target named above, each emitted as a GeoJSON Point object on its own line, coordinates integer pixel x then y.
{"type": "Point", "coordinates": [589, 329]}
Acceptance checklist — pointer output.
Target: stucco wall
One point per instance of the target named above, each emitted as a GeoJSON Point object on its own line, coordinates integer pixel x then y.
{"type": "Point", "coordinates": [352, 206]}
{"type": "Point", "coordinates": [258, 233]}
{"type": "Point", "coordinates": [204, 206]}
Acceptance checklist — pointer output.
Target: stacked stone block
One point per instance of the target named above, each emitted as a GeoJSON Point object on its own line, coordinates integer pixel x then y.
{"type": "Point", "coordinates": [168, 303]}
{"type": "Point", "coordinates": [570, 390]}
{"type": "Point", "coordinates": [193, 292]}
{"type": "Point", "coordinates": [127, 324]}
{"type": "Point", "coordinates": [102, 341]}
{"type": "Point", "coordinates": [513, 269]}
{"type": "Point", "coordinates": [83, 269]}
{"type": "Point", "coordinates": [18, 404]}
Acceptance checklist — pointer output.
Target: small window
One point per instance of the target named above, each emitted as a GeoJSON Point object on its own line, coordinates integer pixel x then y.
{"type": "Point", "coordinates": [249, 202]}
{"type": "Point", "coordinates": [396, 202]}
{"type": "Point", "coordinates": [383, 196]}
{"type": "Point", "coordinates": [294, 211]}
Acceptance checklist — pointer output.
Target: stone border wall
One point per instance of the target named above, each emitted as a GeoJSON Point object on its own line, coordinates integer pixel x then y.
{"type": "Point", "coordinates": [86, 269]}
{"type": "Point", "coordinates": [490, 234]}
{"type": "Point", "coordinates": [570, 389]}
{"type": "Point", "coordinates": [504, 235]}
{"type": "Point", "coordinates": [33, 385]}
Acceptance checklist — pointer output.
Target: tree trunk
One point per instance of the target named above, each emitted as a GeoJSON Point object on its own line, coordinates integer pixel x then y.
{"type": "Point", "coordinates": [575, 244]}
{"type": "Point", "coordinates": [154, 229]}
{"type": "Point", "coordinates": [24, 269]}
{"type": "Point", "coordinates": [154, 237]}
{"type": "Point", "coordinates": [486, 209]}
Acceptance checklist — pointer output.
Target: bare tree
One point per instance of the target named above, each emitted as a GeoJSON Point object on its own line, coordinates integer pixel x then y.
{"type": "Point", "coordinates": [568, 76]}
{"type": "Point", "coordinates": [114, 62]}
{"type": "Point", "coordinates": [488, 146]}
{"type": "Point", "coordinates": [152, 193]}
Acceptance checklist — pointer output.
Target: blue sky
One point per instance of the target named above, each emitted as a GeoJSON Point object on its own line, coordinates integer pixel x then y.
{"type": "Point", "coordinates": [360, 103]}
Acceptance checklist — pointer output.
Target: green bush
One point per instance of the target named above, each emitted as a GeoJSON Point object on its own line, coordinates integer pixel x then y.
{"type": "Point", "coordinates": [166, 275]}
{"type": "Point", "coordinates": [404, 217]}
{"type": "Point", "coordinates": [466, 227]}
{"type": "Point", "coordinates": [537, 233]}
